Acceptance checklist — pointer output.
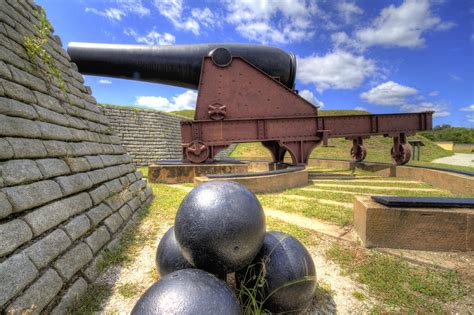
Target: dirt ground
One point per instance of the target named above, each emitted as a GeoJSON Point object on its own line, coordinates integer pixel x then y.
{"type": "Point", "coordinates": [336, 295]}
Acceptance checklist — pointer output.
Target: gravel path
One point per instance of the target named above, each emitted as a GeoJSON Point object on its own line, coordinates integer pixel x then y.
{"type": "Point", "coordinates": [461, 159]}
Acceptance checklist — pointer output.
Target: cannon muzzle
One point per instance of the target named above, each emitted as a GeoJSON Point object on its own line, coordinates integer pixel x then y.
{"type": "Point", "coordinates": [178, 65]}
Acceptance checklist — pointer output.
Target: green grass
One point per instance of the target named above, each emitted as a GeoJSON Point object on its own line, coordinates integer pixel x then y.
{"type": "Point", "coordinates": [129, 290]}
{"type": "Point", "coordinates": [440, 165]}
{"type": "Point", "coordinates": [305, 236]}
{"type": "Point", "coordinates": [464, 148]}
{"type": "Point", "coordinates": [398, 284]}
{"type": "Point", "coordinates": [91, 302]}
{"type": "Point", "coordinates": [372, 184]}
{"type": "Point", "coordinates": [309, 208]}
{"type": "Point", "coordinates": [378, 150]}
{"type": "Point", "coordinates": [186, 113]}
{"type": "Point", "coordinates": [144, 171]}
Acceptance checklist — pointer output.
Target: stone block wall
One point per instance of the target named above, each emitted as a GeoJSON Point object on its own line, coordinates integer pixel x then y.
{"type": "Point", "coordinates": [148, 135]}
{"type": "Point", "coordinates": [68, 188]}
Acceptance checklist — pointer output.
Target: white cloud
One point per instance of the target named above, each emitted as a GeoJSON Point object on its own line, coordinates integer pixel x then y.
{"type": "Point", "coordinates": [134, 6]}
{"type": "Point", "coordinates": [205, 17]}
{"type": "Point", "coordinates": [348, 10]}
{"type": "Point", "coordinates": [341, 39]}
{"type": "Point", "coordinates": [309, 96]}
{"type": "Point", "coordinates": [440, 110]}
{"type": "Point", "coordinates": [455, 77]}
{"type": "Point", "coordinates": [152, 38]}
{"type": "Point", "coordinates": [388, 93]}
{"type": "Point", "coordinates": [173, 10]}
{"type": "Point", "coordinates": [469, 108]}
{"type": "Point", "coordinates": [336, 70]}
{"type": "Point", "coordinates": [186, 100]}
{"type": "Point", "coordinates": [402, 26]}
{"type": "Point", "coordinates": [433, 93]}
{"type": "Point", "coordinates": [360, 108]}
{"type": "Point", "coordinates": [272, 21]}
{"type": "Point", "coordinates": [110, 13]}
{"type": "Point", "coordinates": [103, 81]}
{"type": "Point", "coordinates": [470, 118]}
{"type": "Point", "coordinates": [122, 8]}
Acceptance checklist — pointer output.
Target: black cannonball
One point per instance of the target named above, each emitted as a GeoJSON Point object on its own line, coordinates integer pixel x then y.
{"type": "Point", "coordinates": [220, 226]}
{"type": "Point", "coordinates": [168, 255]}
{"type": "Point", "coordinates": [288, 280]}
{"type": "Point", "coordinates": [188, 291]}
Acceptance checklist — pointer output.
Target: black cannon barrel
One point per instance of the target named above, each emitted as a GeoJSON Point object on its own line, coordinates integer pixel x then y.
{"type": "Point", "coordinates": [178, 65]}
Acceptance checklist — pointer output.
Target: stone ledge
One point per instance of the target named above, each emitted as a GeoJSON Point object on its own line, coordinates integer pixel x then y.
{"type": "Point", "coordinates": [185, 173]}
{"type": "Point", "coordinates": [432, 229]}
{"type": "Point", "coordinates": [268, 183]}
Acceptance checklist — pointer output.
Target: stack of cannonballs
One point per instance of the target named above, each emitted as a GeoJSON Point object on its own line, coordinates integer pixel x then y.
{"type": "Point", "coordinates": [220, 229]}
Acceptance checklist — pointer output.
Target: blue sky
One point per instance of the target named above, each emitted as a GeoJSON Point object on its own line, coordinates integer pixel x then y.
{"type": "Point", "coordinates": [382, 56]}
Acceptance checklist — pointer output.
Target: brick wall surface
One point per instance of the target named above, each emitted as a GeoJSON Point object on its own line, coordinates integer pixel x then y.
{"type": "Point", "coordinates": [68, 188]}
{"type": "Point", "coordinates": [148, 135]}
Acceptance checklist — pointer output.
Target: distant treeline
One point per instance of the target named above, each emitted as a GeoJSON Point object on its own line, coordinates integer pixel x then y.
{"type": "Point", "coordinates": [448, 133]}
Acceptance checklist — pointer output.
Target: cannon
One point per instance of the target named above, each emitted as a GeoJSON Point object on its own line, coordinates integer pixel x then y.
{"type": "Point", "coordinates": [245, 94]}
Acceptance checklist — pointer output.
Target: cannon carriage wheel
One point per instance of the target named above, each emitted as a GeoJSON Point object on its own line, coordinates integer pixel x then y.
{"type": "Point", "coordinates": [358, 151]}
{"type": "Point", "coordinates": [197, 152]}
{"type": "Point", "coordinates": [403, 155]}
{"type": "Point", "coordinates": [400, 151]}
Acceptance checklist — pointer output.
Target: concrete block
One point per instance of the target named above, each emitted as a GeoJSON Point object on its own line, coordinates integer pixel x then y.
{"type": "Point", "coordinates": [113, 172]}
{"type": "Point", "coordinates": [429, 229]}
{"type": "Point", "coordinates": [5, 206]}
{"type": "Point", "coordinates": [134, 203]}
{"type": "Point", "coordinates": [77, 227]}
{"type": "Point", "coordinates": [99, 194]}
{"type": "Point", "coordinates": [95, 162]}
{"type": "Point", "coordinates": [18, 127]}
{"type": "Point", "coordinates": [4, 71]}
{"type": "Point", "coordinates": [33, 195]}
{"type": "Point", "coordinates": [12, 281]}
{"type": "Point", "coordinates": [52, 167]}
{"type": "Point", "coordinates": [48, 248]}
{"type": "Point", "coordinates": [15, 108]}
{"type": "Point", "coordinates": [98, 239]}
{"type": "Point", "coordinates": [125, 212]}
{"type": "Point", "coordinates": [97, 214]}
{"type": "Point", "coordinates": [72, 296]}
{"type": "Point", "coordinates": [78, 164]}
{"type": "Point", "coordinates": [28, 80]}
{"type": "Point", "coordinates": [49, 102]}
{"type": "Point", "coordinates": [115, 201]}
{"type": "Point", "coordinates": [114, 222]}
{"type": "Point", "coordinates": [54, 132]}
{"type": "Point", "coordinates": [58, 148]}
{"type": "Point", "coordinates": [51, 116]}
{"type": "Point", "coordinates": [18, 92]}
{"type": "Point", "coordinates": [74, 183]}
{"type": "Point", "coordinates": [16, 172]}
{"type": "Point", "coordinates": [54, 213]}
{"type": "Point", "coordinates": [98, 176]}
{"type": "Point", "coordinates": [114, 186]}
{"type": "Point", "coordinates": [92, 271]}
{"type": "Point", "coordinates": [6, 151]}
{"type": "Point", "coordinates": [27, 148]}
{"type": "Point", "coordinates": [38, 295]}
{"type": "Point", "coordinates": [13, 234]}
{"type": "Point", "coordinates": [73, 260]}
